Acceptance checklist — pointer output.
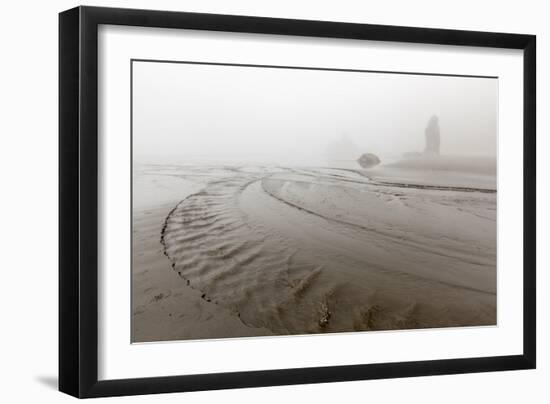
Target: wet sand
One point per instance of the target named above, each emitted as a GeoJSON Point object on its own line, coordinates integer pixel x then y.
{"type": "Point", "coordinates": [241, 250]}
{"type": "Point", "coordinates": [164, 308]}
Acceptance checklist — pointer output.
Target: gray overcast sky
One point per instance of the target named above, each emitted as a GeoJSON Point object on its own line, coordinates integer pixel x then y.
{"type": "Point", "coordinates": [281, 115]}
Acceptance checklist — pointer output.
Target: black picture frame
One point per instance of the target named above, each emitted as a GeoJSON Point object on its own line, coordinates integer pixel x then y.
{"type": "Point", "coordinates": [78, 201]}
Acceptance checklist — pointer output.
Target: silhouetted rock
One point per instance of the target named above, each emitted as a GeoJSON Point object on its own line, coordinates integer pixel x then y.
{"type": "Point", "coordinates": [368, 160]}
{"type": "Point", "coordinates": [432, 136]}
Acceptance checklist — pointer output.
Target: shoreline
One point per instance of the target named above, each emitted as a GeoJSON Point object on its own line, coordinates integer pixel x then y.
{"type": "Point", "coordinates": [209, 279]}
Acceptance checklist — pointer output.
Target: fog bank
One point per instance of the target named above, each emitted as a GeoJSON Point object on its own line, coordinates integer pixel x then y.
{"type": "Point", "coordinates": [304, 116]}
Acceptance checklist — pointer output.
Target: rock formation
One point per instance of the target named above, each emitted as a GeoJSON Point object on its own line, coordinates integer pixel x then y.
{"type": "Point", "coordinates": [368, 160]}
{"type": "Point", "coordinates": [432, 136]}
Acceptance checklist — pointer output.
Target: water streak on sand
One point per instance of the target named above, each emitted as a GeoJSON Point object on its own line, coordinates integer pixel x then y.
{"type": "Point", "coordinates": [324, 250]}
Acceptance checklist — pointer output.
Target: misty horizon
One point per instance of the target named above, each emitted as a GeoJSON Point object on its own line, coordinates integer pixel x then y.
{"type": "Point", "coordinates": [287, 115]}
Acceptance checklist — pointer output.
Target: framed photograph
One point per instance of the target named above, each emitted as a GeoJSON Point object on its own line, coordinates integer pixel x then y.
{"type": "Point", "coordinates": [250, 201]}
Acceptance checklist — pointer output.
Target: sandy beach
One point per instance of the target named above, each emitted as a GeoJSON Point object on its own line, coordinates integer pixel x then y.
{"type": "Point", "coordinates": [234, 250]}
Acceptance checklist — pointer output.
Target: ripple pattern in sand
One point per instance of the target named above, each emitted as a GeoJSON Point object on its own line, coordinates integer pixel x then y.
{"type": "Point", "coordinates": [238, 266]}
{"type": "Point", "coordinates": [272, 280]}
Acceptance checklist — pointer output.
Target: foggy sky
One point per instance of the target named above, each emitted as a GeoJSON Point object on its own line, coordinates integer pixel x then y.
{"type": "Point", "coordinates": [279, 115]}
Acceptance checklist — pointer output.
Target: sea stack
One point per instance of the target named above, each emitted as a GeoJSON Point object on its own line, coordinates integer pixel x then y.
{"type": "Point", "coordinates": [368, 160]}
{"type": "Point", "coordinates": [432, 137]}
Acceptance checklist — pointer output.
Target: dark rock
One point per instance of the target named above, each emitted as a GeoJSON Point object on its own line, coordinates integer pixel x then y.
{"type": "Point", "coordinates": [368, 160]}
{"type": "Point", "coordinates": [433, 139]}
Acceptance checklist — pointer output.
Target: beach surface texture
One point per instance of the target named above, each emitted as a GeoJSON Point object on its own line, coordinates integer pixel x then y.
{"type": "Point", "coordinates": [243, 250]}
